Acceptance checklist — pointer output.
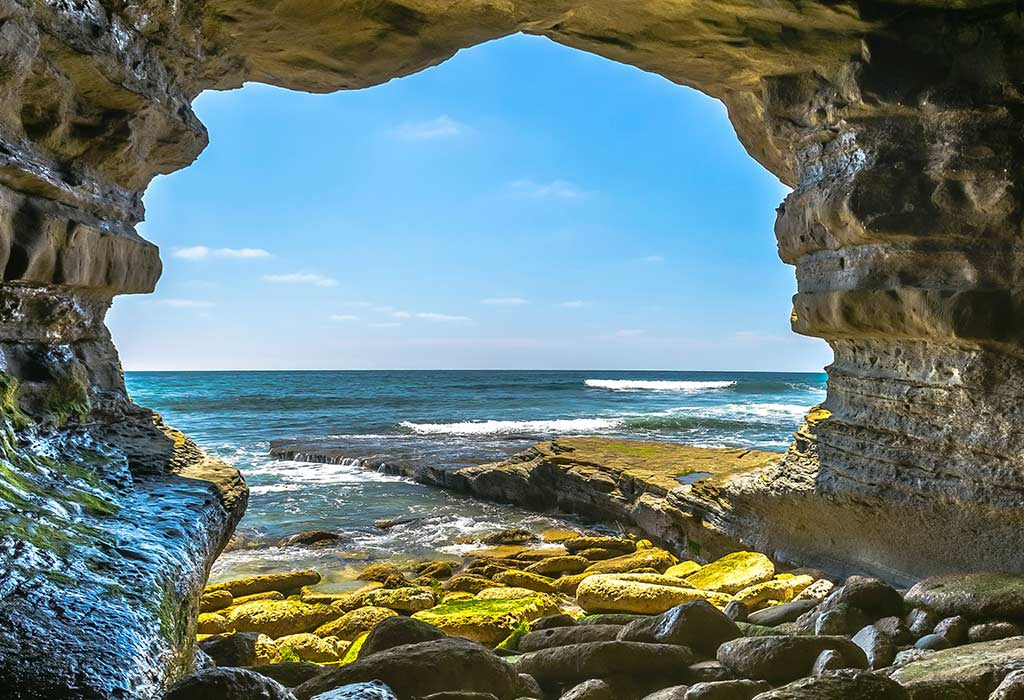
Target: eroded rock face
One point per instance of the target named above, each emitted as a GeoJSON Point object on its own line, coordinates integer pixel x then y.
{"type": "Point", "coordinates": [897, 124]}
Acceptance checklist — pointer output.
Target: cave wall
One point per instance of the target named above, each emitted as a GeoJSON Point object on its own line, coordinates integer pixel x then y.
{"type": "Point", "coordinates": [898, 124]}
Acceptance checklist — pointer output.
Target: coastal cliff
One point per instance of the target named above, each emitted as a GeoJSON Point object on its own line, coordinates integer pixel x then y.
{"type": "Point", "coordinates": [896, 123]}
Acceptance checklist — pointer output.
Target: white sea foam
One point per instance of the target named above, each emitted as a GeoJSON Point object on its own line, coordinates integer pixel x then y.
{"type": "Point", "coordinates": [514, 427]}
{"type": "Point", "coordinates": [656, 385]}
{"type": "Point", "coordinates": [292, 472]}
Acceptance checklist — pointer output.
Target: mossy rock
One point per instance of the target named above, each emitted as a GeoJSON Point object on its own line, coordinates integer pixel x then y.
{"type": "Point", "coordinates": [282, 583]}
{"type": "Point", "coordinates": [277, 618]}
{"type": "Point", "coordinates": [469, 583]}
{"type": "Point", "coordinates": [524, 579]}
{"type": "Point", "coordinates": [975, 596]}
{"type": "Point", "coordinates": [505, 593]}
{"type": "Point", "coordinates": [487, 621]}
{"type": "Point", "coordinates": [311, 647]}
{"type": "Point", "coordinates": [611, 593]}
{"type": "Point", "coordinates": [651, 558]}
{"type": "Point", "coordinates": [778, 590]}
{"type": "Point", "coordinates": [407, 600]}
{"type": "Point", "coordinates": [683, 569]}
{"type": "Point", "coordinates": [971, 670]}
{"type": "Point", "coordinates": [558, 566]}
{"type": "Point", "coordinates": [733, 572]}
{"type": "Point", "coordinates": [623, 545]}
{"type": "Point", "coordinates": [352, 624]}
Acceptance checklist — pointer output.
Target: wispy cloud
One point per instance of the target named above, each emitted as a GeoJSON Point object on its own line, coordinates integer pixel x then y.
{"type": "Point", "coordinates": [202, 252]}
{"type": "Point", "coordinates": [629, 332]}
{"type": "Point", "coordinates": [573, 304]}
{"type": "Point", "coordinates": [652, 259]}
{"type": "Point", "coordinates": [430, 316]}
{"type": "Point", "coordinates": [441, 127]}
{"type": "Point", "coordinates": [302, 278]}
{"type": "Point", "coordinates": [344, 317]}
{"type": "Point", "coordinates": [555, 189]}
{"type": "Point", "coordinates": [391, 324]}
{"type": "Point", "coordinates": [504, 301]}
{"type": "Point", "coordinates": [401, 314]}
{"type": "Point", "coordinates": [186, 303]}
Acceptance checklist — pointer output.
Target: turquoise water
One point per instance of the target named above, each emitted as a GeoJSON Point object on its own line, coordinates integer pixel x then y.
{"type": "Point", "coordinates": [445, 418]}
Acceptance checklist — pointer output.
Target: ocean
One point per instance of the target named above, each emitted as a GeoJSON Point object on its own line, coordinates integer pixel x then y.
{"type": "Point", "coordinates": [446, 418]}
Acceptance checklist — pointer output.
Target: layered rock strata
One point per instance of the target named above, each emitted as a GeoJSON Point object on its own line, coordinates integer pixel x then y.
{"type": "Point", "coordinates": [896, 123]}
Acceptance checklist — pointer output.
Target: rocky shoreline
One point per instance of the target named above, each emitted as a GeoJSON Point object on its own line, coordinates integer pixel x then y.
{"type": "Point", "coordinates": [582, 616]}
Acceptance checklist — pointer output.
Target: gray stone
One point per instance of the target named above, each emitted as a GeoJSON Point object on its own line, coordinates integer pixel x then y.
{"type": "Point", "coordinates": [841, 620]}
{"type": "Point", "coordinates": [991, 631]}
{"type": "Point", "coordinates": [954, 629]}
{"type": "Point", "coordinates": [921, 622]}
{"type": "Point", "coordinates": [698, 625]}
{"type": "Point", "coordinates": [975, 596]}
{"type": "Point", "coordinates": [841, 685]}
{"type": "Point", "coordinates": [374, 690]}
{"type": "Point", "coordinates": [552, 621]}
{"type": "Point", "coordinates": [561, 636]}
{"type": "Point", "coordinates": [397, 631]}
{"type": "Point", "coordinates": [709, 672]}
{"type": "Point", "coordinates": [1012, 687]}
{"type": "Point", "coordinates": [783, 659]}
{"type": "Point", "coordinates": [969, 671]}
{"type": "Point", "coordinates": [932, 642]}
{"type": "Point", "coordinates": [778, 614]}
{"type": "Point", "coordinates": [594, 689]}
{"type": "Point", "coordinates": [228, 684]}
{"type": "Point", "coordinates": [877, 646]}
{"type": "Point", "coordinates": [736, 611]}
{"type": "Point", "coordinates": [741, 689]}
{"type": "Point", "coordinates": [828, 661]}
{"type": "Point", "coordinates": [579, 662]}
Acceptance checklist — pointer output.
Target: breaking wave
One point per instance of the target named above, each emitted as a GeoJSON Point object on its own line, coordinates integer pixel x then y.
{"type": "Point", "coordinates": [656, 385]}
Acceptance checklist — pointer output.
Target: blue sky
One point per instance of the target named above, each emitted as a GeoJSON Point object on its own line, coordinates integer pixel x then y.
{"type": "Point", "coordinates": [523, 205]}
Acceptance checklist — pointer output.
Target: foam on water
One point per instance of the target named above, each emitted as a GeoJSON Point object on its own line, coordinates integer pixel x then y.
{"type": "Point", "coordinates": [657, 385]}
{"type": "Point", "coordinates": [514, 427]}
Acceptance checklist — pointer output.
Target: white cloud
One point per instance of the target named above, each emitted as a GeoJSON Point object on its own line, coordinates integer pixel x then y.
{"type": "Point", "coordinates": [302, 278]}
{"type": "Point", "coordinates": [401, 314]}
{"type": "Point", "coordinates": [201, 252]}
{"type": "Point", "coordinates": [344, 317]}
{"type": "Point", "coordinates": [385, 325]}
{"type": "Point", "coordinates": [574, 304]}
{"type": "Point", "coordinates": [438, 128]}
{"type": "Point", "coordinates": [430, 316]}
{"type": "Point", "coordinates": [653, 259]}
{"type": "Point", "coordinates": [629, 332]}
{"type": "Point", "coordinates": [556, 189]}
{"type": "Point", "coordinates": [186, 303]}
{"type": "Point", "coordinates": [505, 301]}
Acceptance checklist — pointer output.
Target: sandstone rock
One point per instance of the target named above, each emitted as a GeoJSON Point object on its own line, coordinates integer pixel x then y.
{"type": "Point", "coordinates": [972, 670]}
{"type": "Point", "coordinates": [733, 572]}
{"type": "Point", "coordinates": [657, 559]}
{"type": "Point", "coordinates": [698, 625]}
{"type": "Point", "coordinates": [817, 591]}
{"type": "Point", "coordinates": [991, 631]}
{"type": "Point", "coordinates": [398, 631]}
{"type": "Point", "coordinates": [843, 685]}
{"type": "Point", "coordinates": [741, 689]}
{"type": "Point", "coordinates": [618, 544]}
{"type": "Point", "coordinates": [427, 667]}
{"type": "Point", "coordinates": [525, 579]}
{"type": "Point", "coordinates": [599, 553]}
{"type": "Point", "coordinates": [227, 684]}
{"type": "Point", "coordinates": [487, 621]}
{"type": "Point", "coordinates": [557, 566]}
{"type": "Point", "coordinates": [611, 593]}
{"type": "Point", "coordinates": [778, 614]}
{"type": "Point", "coordinates": [283, 583]}
{"type": "Point", "coordinates": [783, 659]}
{"type": "Point", "coordinates": [683, 569]}
{"type": "Point", "coordinates": [579, 662]}
{"type": "Point", "coordinates": [374, 690]}
{"type": "Point", "coordinates": [215, 600]}
{"type": "Point", "coordinates": [470, 583]}
{"type": "Point", "coordinates": [408, 600]}
{"type": "Point", "coordinates": [310, 647]}
{"type": "Point", "coordinates": [349, 626]}
{"type": "Point", "coordinates": [439, 570]}
{"type": "Point", "coordinates": [976, 596]}
{"type": "Point", "coordinates": [505, 593]}
{"type": "Point", "coordinates": [458, 595]}
{"type": "Point", "coordinates": [563, 636]}
{"type": "Point", "coordinates": [276, 618]}
{"type": "Point", "coordinates": [509, 536]}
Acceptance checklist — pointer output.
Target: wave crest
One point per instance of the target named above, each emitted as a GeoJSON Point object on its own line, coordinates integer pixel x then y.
{"type": "Point", "coordinates": [656, 385]}
{"type": "Point", "coordinates": [513, 427]}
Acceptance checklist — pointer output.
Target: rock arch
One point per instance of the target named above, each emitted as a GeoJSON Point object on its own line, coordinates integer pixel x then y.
{"type": "Point", "coordinates": [897, 123]}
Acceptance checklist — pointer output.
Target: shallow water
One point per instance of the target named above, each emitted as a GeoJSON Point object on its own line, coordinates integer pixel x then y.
{"type": "Point", "coordinates": [448, 419]}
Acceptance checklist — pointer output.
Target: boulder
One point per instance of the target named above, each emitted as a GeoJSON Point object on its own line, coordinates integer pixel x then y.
{"type": "Point", "coordinates": [875, 598]}
{"type": "Point", "coordinates": [562, 636]}
{"type": "Point", "coordinates": [277, 618]}
{"type": "Point", "coordinates": [415, 670]}
{"type": "Point", "coordinates": [594, 689]}
{"type": "Point", "coordinates": [487, 621]}
{"type": "Point", "coordinates": [972, 670]}
{"type": "Point", "coordinates": [352, 624]}
{"type": "Point", "coordinates": [470, 583]}
{"type": "Point", "coordinates": [879, 647]}
{"type": "Point", "coordinates": [921, 622]}
{"type": "Point", "coordinates": [778, 589]}
{"type": "Point", "coordinates": [708, 672]}
{"type": "Point", "coordinates": [698, 625]}
{"type": "Point", "coordinates": [397, 631]}
{"type": "Point", "coordinates": [315, 538]}
{"type": "Point", "coordinates": [580, 662]}
{"type": "Point", "coordinates": [510, 535]}
{"type": "Point", "coordinates": [599, 553]}
{"type": "Point", "coordinates": [1012, 687]}
{"type": "Point", "coordinates": [525, 579]}
{"type": "Point", "coordinates": [266, 595]}
{"type": "Point", "coordinates": [619, 544]}
{"type": "Point", "coordinates": [228, 684]}
{"type": "Point", "coordinates": [407, 600]}
{"type": "Point", "coordinates": [504, 593]}
{"type": "Point", "coordinates": [842, 685]}
{"type": "Point", "coordinates": [291, 581]}
{"type": "Point", "coordinates": [828, 661]}
{"type": "Point", "coordinates": [733, 572]}
{"type": "Point", "coordinates": [932, 642]}
{"type": "Point", "coordinates": [612, 593]}
{"type": "Point", "coordinates": [552, 621]}
{"type": "Point", "coordinates": [975, 596]}
{"type": "Point", "coordinates": [374, 690]}
{"type": "Point", "coordinates": [240, 649]}
{"type": "Point", "coordinates": [290, 673]}
{"type": "Point", "coordinates": [459, 695]}
{"type": "Point", "coordinates": [557, 566]}
{"type": "Point", "coordinates": [781, 659]}
{"type": "Point", "coordinates": [778, 614]}
{"type": "Point", "coordinates": [991, 631]}
{"type": "Point", "coordinates": [683, 569]}
{"type": "Point", "coordinates": [215, 600]}
{"type": "Point", "coordinates": [740, 689]}
{"type": "Point", "coordinates": [438, 570]}
{"type": "Point", "coordinates": [654, 558]}
{"type": "Point", "coordinates": [817, 591]}
{"type": "Point", "coordinates": [675, 692]}
{"type": "Point", "coordinates": [736, 611]}
{"type": "Point", "coordinates": [212, 623]}
{"type": "Point", "coordinates": [841, 619]}
{"type": "Point", "coordinates": [953, 628]}
{"type": "Point", "coordinates": [610, 619]}
{"type": "Point", "coordinates": [310, 647]}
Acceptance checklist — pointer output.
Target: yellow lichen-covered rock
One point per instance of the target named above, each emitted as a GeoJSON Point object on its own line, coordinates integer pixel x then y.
{"type": "Point", "coordinates": [461, 595]}
{"type": "Point", "coordinates": [310, 647]}
{"type": "Point", "coordinates": [557, 566]}
{"type": "Point", "coordinates": [265, 651]}
{"type": "Point", "coordinates": [438, 570]}
{"type": "Point", "coordinates": [546, 552]}
{"type": "Point", "coordinates": [558, 535]}
{"type": "Point", "coordinates": [277, 618]}
{"type": "Point", "coordinates": [353, 651]}
{"type": "Point", "coordinates": [523, 579]}
{"type": "Point", "coordinates": [344, 601]}
{"type": "Point", "coordinates": [354, 623]}
{"type": "Point", "coordinates": [487, 621]}
{"type": "Point", "coordinates": [656, 579]}
{"type": "Point", "coordinates": [612, 593]}
{"type": "Point", "coordinates": [651, 558]}
{"type": "Point", "coordinates": [215, 600]}
{"type": "Point", "coordinates": [505, 593]}
{"type": "Point", "coordinates": [733, 572]}
{"type": "Point", "coordinates": [408, 600]}
{"type": "Point", "coordinates": [683, 569]}
{"type": "Point", "coordinates": [212, 623]}
{"type": "Point", "coordinates": [267, 595]}
{"type": "Point", "coordinates": [819, 590]}
{"type": "Point", "coordinates": [290, 581]}
{"type": "Point", "coordinates": [779, 589]}
{"type": "Point", "coordinates": [623, 545]}
{"type": "Point", "coordinates": [468, 583]}
{"type": "Point", "coordinates": [566, 585]}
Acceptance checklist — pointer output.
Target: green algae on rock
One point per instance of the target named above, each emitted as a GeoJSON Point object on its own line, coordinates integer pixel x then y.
{"type": "Point", "coordinates": [976, 595]}
{"type": "Point", "coordinates": [487, 621]}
